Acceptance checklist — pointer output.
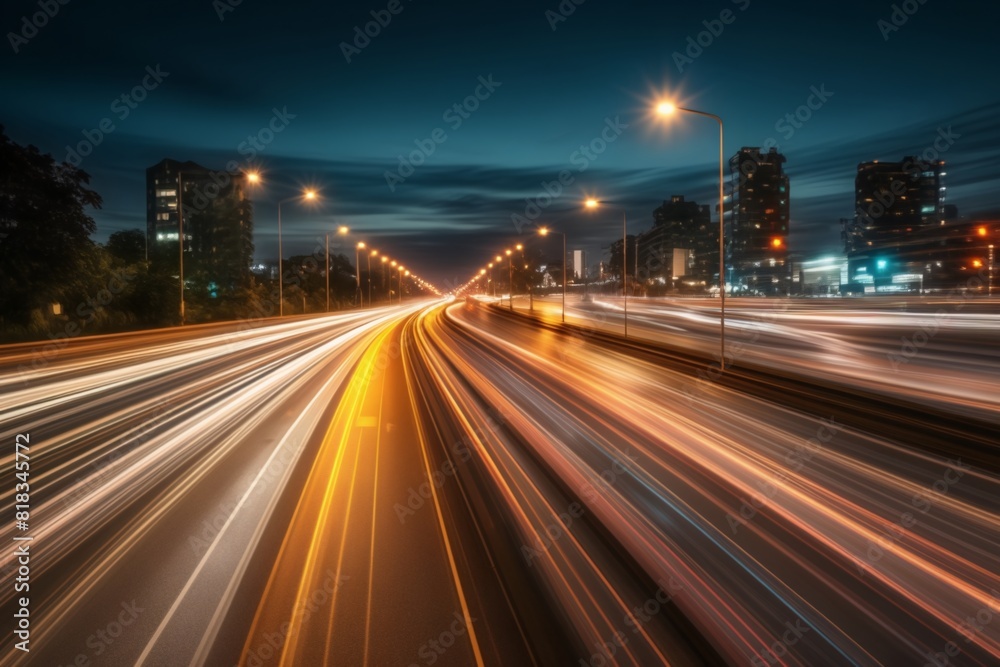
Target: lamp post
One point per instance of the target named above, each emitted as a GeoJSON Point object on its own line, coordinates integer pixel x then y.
{"type": "Point", "coordinates": [343, 231]}
{"type": "Point", "coordinates": [308, 195]}
{"type": "Point", "coordinates": [593, 203]}
{"type": "Point", "coordinates": [373, 253]}
{"type": "Point", "coordinates": [385, 260]}
{"type": "Point", "coordinates": [666, 109]}
{"type": "Point", "coordinates": [989, 289]}
{"type": "Point", "coordinates": [252, 177]}
{"type": "Point", "coordinates": [510, 278]}
{"type": "Point", "coordinates": [399, 281]}
{"type": "Point", "coordinates": [357, 270]}
{"type": "Point", "coordinates": [545, 231]}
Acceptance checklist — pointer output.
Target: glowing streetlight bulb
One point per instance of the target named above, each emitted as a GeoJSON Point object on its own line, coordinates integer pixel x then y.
{"type": "Point", "coordinates": [665, 108]}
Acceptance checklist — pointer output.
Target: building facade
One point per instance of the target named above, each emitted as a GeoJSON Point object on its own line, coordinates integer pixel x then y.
{"type": "Point", "coordinates": [900, 211]}
{"type": "Point", "coordinates": [681, 250]}
{"type": "Point", "coordinates": [757, 244]}
{"type": "Point", "coordinates": [217, 222]}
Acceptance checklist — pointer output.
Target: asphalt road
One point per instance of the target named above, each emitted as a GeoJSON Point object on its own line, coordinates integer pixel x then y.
{"type": "Point", "coordinates": [442, 484]}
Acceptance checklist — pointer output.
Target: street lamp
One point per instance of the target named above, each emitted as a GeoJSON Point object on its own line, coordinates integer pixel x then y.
{"type": "Point", "coordinates": [385, 260]}
{"type": "Point", "coordinates": [667, 109]}
{"type": "Point", "coordinates": [510, 278]}
{"type": "Point", "coordinates": [343, 231]}
{"type": "Point", "coordinates": [545, 231]}
{"type": "Point", "coordinates": [593, 204]}
{"type": "Point", "coordinates": [373, 253]}
{"type": "Point", "coordinates": [308, 195]}
{"type": "Point", "coordinates": [399, 281]}
{"type": "Point", "coordinates": [252, 177]}
{"type": "Point", "coordinates": [357, 270]}
{"type": "Point", "coordinates": [496, 261]}
{"type": "Point", "coordinates": [989, 289]}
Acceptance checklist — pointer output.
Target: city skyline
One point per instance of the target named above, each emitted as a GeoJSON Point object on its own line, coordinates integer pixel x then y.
{"type": "Point", "coordinates": [487, 157]}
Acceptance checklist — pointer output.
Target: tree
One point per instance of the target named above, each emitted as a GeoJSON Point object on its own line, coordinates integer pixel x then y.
{"type": "Point", "coordinates": [44, 230]}
{"type": "Point", "coordinates": [128, 246]}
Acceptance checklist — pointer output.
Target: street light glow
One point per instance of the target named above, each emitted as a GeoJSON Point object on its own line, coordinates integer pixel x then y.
{"type": "Point", "coordinates": [666, 108]}
{"type": "Point", "coordinates": [591, 203]}
{"type": "Point", "coordinates": [310, 194]}
{"type": "Point", "coordinates": [343, 230]}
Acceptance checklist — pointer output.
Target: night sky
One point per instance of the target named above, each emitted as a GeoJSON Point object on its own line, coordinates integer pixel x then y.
{"type": "Point", "coordinates": [557, 84]}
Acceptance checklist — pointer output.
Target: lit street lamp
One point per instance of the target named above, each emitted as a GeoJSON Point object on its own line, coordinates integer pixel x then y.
{"type": "Point", "coordinates": [510, 278]}
{"type": "Point", "coordinates": [252, 177]}
{"type": "Point", "coordinates": [308, 195]}
{"type": "Point", "coordinates": [385, 260]}
{"type": "Point", "coordinates": [666, 109]}
{"type": "Point", "coordinates": [357, 270]}
{"type": "Point", "coordinates": [545, 231]}
{"type": "Point", "coordinates": [343, 231]}
{"type": "Point", "coordinates": [593, 203]}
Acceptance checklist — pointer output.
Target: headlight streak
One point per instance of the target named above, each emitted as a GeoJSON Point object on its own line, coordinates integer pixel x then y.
{"type": "Point", "coordinates": [915, 572]}
{"type": "Point", "coordinates": [239, 400]}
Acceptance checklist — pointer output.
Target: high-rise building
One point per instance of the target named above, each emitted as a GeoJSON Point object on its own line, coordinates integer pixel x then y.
{"type": "Point", "coordinates": [579, 264]}
{"type": "Point", "coordinates": [757, 243]}
{"type": "Point", "coordinates": [682, 246]}
{"type": "Point", "coordinates": [898, 209]}
{"type": "Point", "coordinates": [218, 221]}
{"type": "Point", "coordinates": [893, 199]}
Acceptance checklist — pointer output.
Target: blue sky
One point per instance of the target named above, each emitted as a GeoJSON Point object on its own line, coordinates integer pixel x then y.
{"type": "Point", "coordinates": [889, 92]}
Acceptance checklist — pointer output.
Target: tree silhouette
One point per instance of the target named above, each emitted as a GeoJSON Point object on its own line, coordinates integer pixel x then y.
{"type": "Point", "coordinates": [44, 230]}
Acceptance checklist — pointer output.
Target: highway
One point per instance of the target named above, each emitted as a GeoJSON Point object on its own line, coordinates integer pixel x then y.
{"type": "Point", "coordinates": [940, 350]}
{"type": "Point", "coordinates": [451, 484]}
